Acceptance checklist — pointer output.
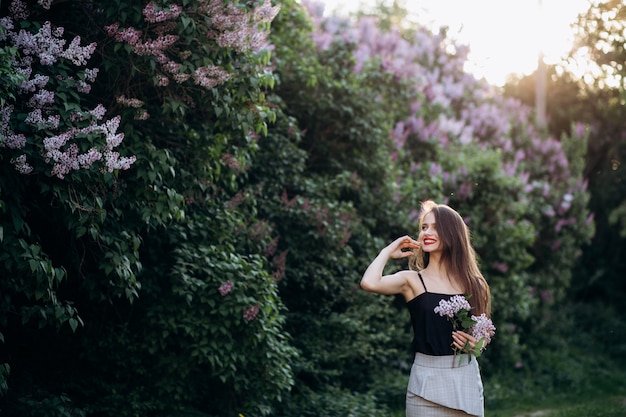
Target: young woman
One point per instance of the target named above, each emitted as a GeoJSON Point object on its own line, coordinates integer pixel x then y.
{"type": "Point", "coordinates": [442, 264]}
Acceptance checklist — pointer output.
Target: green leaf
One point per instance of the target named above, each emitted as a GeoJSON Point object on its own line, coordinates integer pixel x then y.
{"type": "Point", "coordinates": [73, 324]}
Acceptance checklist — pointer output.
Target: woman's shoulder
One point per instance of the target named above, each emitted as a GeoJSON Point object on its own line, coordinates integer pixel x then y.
{"type": "Point", "coordinates": [407, 273]}
{"type": "Point", "coordinates": [414, 284]}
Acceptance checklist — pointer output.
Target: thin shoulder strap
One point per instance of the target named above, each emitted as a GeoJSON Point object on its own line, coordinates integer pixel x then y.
{"type": "Point", "coordinates": [422, 279]}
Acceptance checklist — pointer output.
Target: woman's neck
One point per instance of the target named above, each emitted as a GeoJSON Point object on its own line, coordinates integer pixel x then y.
{"type": "Point", "coordinates": [434, 262]}
{"type": "Point", "coordinates": [437, 268]}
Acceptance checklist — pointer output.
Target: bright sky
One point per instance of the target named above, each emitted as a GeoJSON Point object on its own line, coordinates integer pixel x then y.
{"type": "Point", "coordinates": [505, 36]}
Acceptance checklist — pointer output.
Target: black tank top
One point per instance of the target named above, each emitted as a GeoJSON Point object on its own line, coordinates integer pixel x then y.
{"type": "Point", "coordinates": [432, 333]}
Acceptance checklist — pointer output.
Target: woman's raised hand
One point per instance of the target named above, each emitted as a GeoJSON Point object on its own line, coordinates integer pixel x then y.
{"type": "Point", "coordinates": [398, 248]}
{"type": "Point", "coordinates": [373, 279]}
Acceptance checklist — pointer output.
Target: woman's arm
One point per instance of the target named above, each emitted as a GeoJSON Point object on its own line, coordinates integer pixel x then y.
{"type": "Point", "coordinates": [373, 279]}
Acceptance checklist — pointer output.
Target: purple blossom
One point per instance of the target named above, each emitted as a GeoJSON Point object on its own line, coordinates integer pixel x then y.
{"type": "Point", "coordinates": [91, 74]}
{"type": "Point", "coordinates": [98, 112]}
{"type": "Point", "coordinates": [18, 9]}
{"type": "Point", "coordinates": [14, 141]}
{"type": "Point", "coordinates": [30, 85]}
{"type": "Point", "coordinates": [41, 99]}
{"type": "Point", "coordinates": [7, 24]}
{"type": "Point", "coordinates": [21, 165]}
{"type": "Point", "coordinates": [483, 328]}
{"type": "Point", "coordinates": [501, 266]}
{"type": "Point", "coordinates": [563, 223]}
{"type": "Point", "coordinates": [115, 162]}
{"type": "Point", "coordinates": [270, 249]}
{"type": "Point", "coordinates": [130, 35]}
{"type": "Point", "coordinates": [142, 115]}
{"type": "Point", "coordinates": [465, 190]}
{"type": "Point", "coordinates": [35, 118]}
{"type": "Point", "coordinates": [266, 12]}
{"type": "Point", "coordinates": [231, 161]}
{"type": "Point", "coordinates": [83, 87]}
{"type": "Point", "coordinates": [66, 159]}
{"type": "Point", "coordinates": [279, 262]}
{"type": "Point", "coordinates": [46, 44]}
{"type": "Point", "coordinates": [449, 308]}
{"type": "Point", "coordinates": [237, 29]}
{"type": "Point", "coordinates": [9, 139]}
{"type": "Point", "coordinates": [78, 54]}
{"type": "Point", "coordinates": [236, 200]}
{"type": "Point", "coordinates": [154, 47]}
{"type": "Point", "coordinates": [435, 169]}
{"type": "Point", "coordinates": [251, 312]}
{"type": "Point", "coordinates": [399, 135]}
{"type": "Point", "coordinates": [225, 288]}
{"type": "Point", "coordinates": [129, 102]}
{"type": "Point", "coordinates": [162, 81]}
{"type": "Point", "coordinates": [152, 15]}
{"type": "Point", "coordinates": [210, 76]}
{"type": "Point", "coordinates": [580, 129]}
{"type": "Point", "coordinates": [87, 159]}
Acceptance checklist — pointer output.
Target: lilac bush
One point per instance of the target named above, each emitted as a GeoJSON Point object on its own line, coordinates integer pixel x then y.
{"type": "Point", "coordinates": [46, 123]}
{"type": "Point", "coordinates": [461, 142]}
{"type": "Point", "coordinates": [131, 132]}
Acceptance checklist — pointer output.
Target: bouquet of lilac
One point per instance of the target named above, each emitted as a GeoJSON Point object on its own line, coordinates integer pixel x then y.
{"type": "Point", "coordinates": [457, 309]}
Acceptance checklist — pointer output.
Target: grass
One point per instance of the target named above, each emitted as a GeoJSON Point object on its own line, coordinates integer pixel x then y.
{"type": "Point", "coordinates": [604, 406]}
{"type": "Point", "coordinates": [605, 396]}
{"type": "Point", "coordinates": [601, 402]}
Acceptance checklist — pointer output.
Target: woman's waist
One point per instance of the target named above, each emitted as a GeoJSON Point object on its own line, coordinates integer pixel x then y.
{"type": "Point", "coordinates": [442, 361]}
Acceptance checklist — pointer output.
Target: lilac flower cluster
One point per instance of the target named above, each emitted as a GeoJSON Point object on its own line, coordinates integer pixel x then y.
{"type": "Point", "coordinates": [251, 312]}
{"type": "Point", "coordinates": [231, 162]}
{"type": "Point", "coordinates": [231, 27]}
{"type": "Point", "coordinates": [225, 288]}
{"type": "Point", "coordinates": [152, 15]}
{"type": "Point", "coordinates": [237, 29]}
{"type": "Point", "coordinates": [134, 103]}
{"type": "Point", "coordinates": [36, 99]}
{"type": "Point", "coordinates": [47, 45]}
{"type": "Point", "coordinates": [10, 139]}
{"type": "Point", "coordinates": [449, 308]}
{"type": "Point", "coordinates": [129, 102]}
{"type": "Point", "coordinates": [483, 328]}
{"type": "Point", "coordinates": [67, 158]}
{"type": "Point", "coordinates": [280, 265]}
{"type": "Point", "coordinates": [210, 76]}
{"type": "Point", "coordinates": [45, 3]}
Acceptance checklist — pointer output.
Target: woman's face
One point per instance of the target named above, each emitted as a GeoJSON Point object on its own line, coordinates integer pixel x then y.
{"type": "Point", "coordinates": [428, 237]}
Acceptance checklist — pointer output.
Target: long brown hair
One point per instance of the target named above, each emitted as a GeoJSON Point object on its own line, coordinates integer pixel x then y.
{"type": "Point", "coordinates": [457, 255]}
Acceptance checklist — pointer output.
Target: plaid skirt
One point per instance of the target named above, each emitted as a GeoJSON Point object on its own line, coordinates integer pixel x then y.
{"type": "Point", "coordinates": [444, 386]}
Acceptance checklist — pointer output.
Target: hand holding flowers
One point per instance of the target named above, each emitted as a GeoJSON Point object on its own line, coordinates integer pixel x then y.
{"type": "Point", "coordinates": [457, 309]}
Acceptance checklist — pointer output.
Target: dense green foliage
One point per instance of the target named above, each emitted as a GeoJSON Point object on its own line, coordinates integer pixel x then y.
{"type": "Point", "coordinates": [217, 273]}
